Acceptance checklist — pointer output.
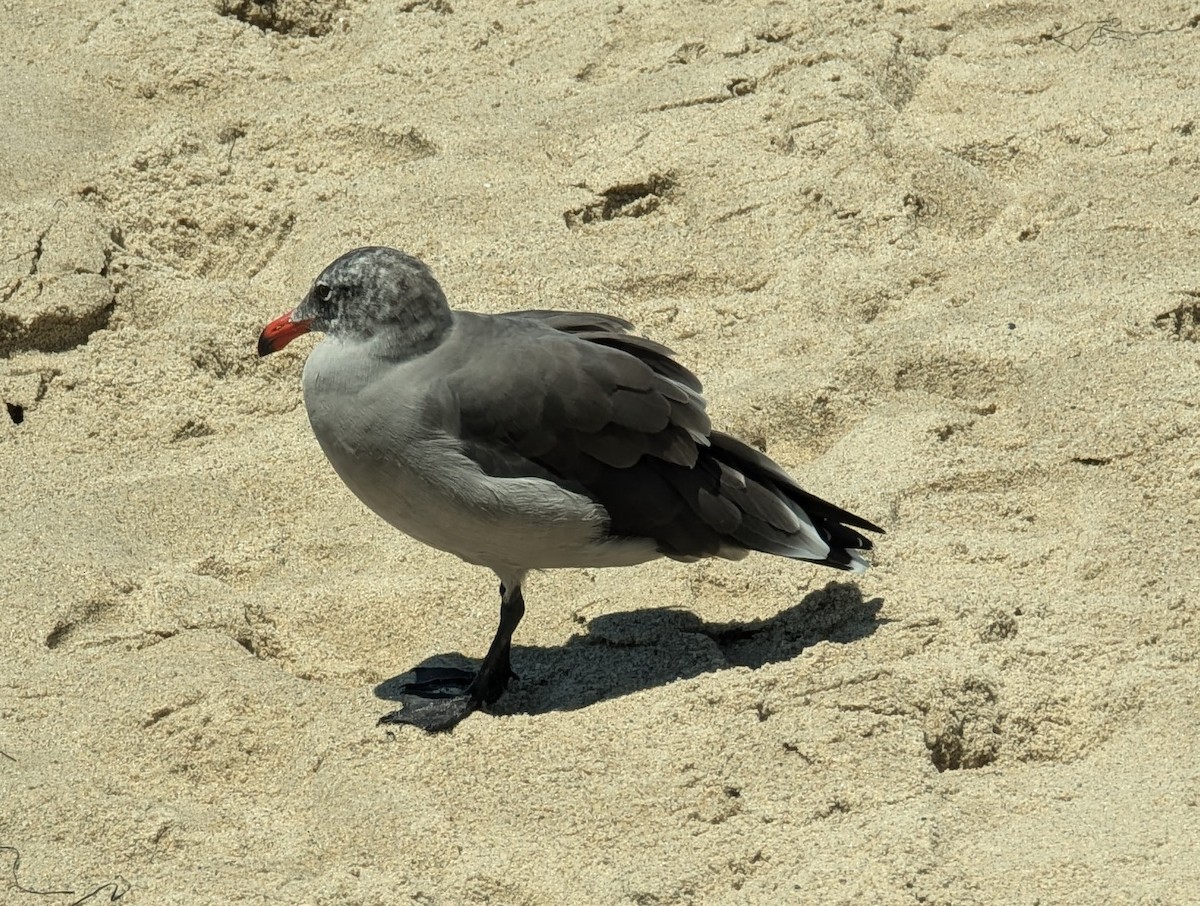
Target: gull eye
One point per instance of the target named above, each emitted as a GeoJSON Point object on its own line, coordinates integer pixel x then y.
{"type": "Point", "coordinates": [320, 295]}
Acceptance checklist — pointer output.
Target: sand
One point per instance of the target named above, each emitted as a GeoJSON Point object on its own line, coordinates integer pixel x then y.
{"type": "Point", "coordinates": [938, 259]}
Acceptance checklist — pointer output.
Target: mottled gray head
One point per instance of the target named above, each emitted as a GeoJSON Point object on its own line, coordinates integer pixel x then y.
{"type": "Point", "coordinates": [375, 295]}
{"type": "Point", "coordinates": [376, 291]}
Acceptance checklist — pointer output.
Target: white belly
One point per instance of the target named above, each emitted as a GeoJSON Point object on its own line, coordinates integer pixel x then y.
{"type": "Point", "coordinates": [508, 524]}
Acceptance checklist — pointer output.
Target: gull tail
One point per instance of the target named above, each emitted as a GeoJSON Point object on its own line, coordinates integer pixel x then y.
{"type": "Point", "coordinates": [763, 509]}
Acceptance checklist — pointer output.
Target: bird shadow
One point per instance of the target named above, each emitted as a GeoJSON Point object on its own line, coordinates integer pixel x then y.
{"type": "Point", "coordinates": [629, 651]}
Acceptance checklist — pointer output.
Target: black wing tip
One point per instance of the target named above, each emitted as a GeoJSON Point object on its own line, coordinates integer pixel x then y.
{"type": "Point", "coordinates": [860, 522]}
{"type": "Point", "coordinates": [846, 566]}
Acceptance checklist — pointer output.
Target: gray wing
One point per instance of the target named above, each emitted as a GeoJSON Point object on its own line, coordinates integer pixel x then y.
{"type": "Point", "coordinates": [609, 330]}
{"type": "Point", "coordinates": [615, 417]}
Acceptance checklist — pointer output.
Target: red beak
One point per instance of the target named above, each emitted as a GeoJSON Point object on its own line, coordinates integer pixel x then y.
{"type": "Point", "coordinates": [280, 332]}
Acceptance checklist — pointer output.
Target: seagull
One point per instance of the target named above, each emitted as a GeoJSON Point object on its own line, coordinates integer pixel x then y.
{"type": "Point", "coordinates": [530, 440]}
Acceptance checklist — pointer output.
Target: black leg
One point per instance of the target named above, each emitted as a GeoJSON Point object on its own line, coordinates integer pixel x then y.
{"type": "Point", "coordinates": [492, 678]}
{"type": "Point", "coordinates": [440, 698]}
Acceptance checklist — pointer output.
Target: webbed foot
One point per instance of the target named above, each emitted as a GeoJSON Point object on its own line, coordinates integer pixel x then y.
{"type": "Point", "coordinates": [438, 698]}
{"type": "Point", "coordinates": [434, 715]}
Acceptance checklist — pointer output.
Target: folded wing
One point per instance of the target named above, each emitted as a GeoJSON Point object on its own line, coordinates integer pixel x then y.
{"type": "Point", "coordinates": [614, 416]}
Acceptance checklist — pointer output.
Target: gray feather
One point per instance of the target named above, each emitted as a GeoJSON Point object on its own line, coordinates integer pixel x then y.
{"type": "Point", "coordinates": [641, 410]}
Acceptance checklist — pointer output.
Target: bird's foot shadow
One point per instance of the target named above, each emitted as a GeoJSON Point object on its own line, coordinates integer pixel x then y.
{"type": "Point", "coordinates": [628, 651]}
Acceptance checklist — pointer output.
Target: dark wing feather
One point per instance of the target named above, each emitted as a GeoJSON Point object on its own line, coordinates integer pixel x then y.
{"type": "Point", "coordinates": [615, 417]}
{"type": "Point", "coordinates": [653, 354]}
{"type": "Point", "coordinates": [609, 330]}
{"type": "Point", "coordinates": [573, 321]}
{"type": "Point", "coordinates": [641, 410]}
{"type": "Point", "coordinates": [763, 468]}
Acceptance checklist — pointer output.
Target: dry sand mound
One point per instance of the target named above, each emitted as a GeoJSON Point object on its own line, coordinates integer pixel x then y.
{"type": "Point", "coordinates": [938, 259]}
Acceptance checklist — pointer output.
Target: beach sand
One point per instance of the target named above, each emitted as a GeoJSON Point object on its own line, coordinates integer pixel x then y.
{"type": "Point", "coordinates": [937, 259]}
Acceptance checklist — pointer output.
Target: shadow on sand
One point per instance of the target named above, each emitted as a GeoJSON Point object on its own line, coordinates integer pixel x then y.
{"type": "Point", "coordinates": [628, 651]}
